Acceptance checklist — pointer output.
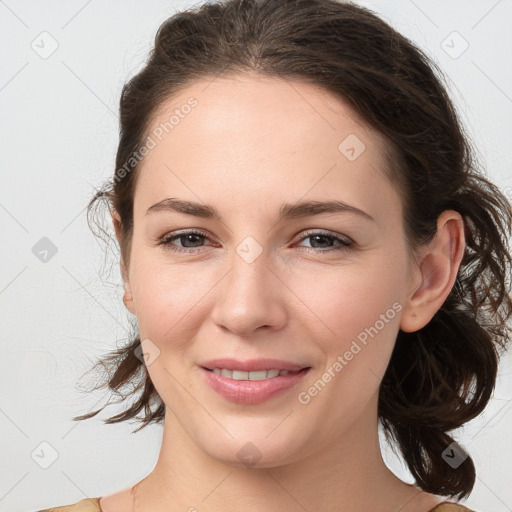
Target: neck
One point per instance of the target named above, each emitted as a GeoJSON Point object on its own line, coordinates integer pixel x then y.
{"type": "Point", "coordinates": [349, 471]}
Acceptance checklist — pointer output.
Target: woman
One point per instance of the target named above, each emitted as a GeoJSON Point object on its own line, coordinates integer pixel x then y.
{"type": "Point", "coordinates": [308, 250]}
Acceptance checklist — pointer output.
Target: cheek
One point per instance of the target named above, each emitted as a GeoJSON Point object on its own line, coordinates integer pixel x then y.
{"type": "Point", "coordinates": [354, 317]}
{"type": "Point", "coordinates": [169, 298]}
{"type": "Point", "coordinates": [346, 301]}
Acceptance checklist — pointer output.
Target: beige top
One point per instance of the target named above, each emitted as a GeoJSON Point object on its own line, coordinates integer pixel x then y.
{"type": "Point", "coordinates": [93, 505]}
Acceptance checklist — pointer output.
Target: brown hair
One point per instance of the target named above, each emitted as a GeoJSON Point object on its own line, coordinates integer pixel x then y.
{"type": "Point", "coordinates": [441, 376]}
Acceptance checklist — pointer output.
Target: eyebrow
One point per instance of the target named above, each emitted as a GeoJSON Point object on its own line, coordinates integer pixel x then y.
{"type": "Point", "coordinates": [287, 210]}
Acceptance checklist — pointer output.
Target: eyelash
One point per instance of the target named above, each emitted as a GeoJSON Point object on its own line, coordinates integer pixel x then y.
{"type": "Point", "coordinates": [166, 240]}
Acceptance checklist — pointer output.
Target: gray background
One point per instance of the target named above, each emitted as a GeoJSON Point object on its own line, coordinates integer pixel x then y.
{"type": "Point", "coordinates": [58, 312]}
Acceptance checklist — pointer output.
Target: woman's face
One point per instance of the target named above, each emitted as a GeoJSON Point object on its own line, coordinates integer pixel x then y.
{"type": "Point", "coordinates": [269, 278]}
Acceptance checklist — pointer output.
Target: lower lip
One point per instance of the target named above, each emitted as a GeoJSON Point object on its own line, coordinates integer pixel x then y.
{"type": "Point", "coordinates": [252, 392]}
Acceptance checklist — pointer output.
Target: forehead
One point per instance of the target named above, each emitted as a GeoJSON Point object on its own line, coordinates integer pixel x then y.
{"type": "Point", "coordinates": [260, 135]}
{"type": "Point", "coordinates": [251, 109]}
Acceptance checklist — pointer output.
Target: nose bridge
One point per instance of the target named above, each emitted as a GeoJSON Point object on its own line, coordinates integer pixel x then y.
{"type": "Point", "coordinates": [251, 295]}
{"type": "Point", "coordinates": [250, 270]}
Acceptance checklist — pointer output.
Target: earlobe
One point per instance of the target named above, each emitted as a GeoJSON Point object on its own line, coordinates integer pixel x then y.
{"type": "Point", "coordinates": [438, 268]}
{"type": "Point", "coordinates": [127, 296]}
{"type": "Point", "coordinates": [128, 299]}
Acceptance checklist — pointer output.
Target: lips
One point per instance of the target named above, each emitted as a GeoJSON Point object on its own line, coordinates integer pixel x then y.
{"type": "Point", "coordinates": [227, 378]}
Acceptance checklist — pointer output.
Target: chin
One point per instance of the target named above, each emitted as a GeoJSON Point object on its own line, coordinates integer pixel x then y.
{"type": "Point", "coordinates": [260, 450]}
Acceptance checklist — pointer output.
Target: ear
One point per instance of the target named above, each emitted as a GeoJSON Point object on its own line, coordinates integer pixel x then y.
{"type": "Point", "coordinates": [127, 298]}
{"type": "Point", "coordinates": [436, 272]}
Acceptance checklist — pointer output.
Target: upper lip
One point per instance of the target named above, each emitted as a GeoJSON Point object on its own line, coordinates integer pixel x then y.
{"type": "Point", "coordinates": [252, 365]}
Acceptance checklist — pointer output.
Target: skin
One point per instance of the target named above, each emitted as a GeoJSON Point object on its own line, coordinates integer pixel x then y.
{"type": "Point", "coordinates": [252, 144]}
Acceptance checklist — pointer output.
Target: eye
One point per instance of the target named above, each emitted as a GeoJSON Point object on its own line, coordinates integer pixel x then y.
{"type": "Point", "coordinates": [189, 240]}
{"type": "Point", "coordinates": [194, 239]}
{"type": "Point", "coordinates": [334, 243]}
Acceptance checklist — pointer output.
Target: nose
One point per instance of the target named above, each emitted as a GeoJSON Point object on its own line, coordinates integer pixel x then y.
{"type": "Point", "coordinates": [251, 296]}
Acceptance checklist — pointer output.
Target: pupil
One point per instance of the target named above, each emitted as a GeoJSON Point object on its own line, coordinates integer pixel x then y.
{"type": "Point", "coordinates": [198, 238]}
{"type": "Point", "coordinates": [316, 237]}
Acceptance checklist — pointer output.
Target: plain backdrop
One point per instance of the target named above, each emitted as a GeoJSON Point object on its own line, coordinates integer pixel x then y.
{"type": "Point", "coordinates": [63, 66]}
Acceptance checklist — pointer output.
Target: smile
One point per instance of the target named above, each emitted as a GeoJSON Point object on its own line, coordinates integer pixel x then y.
{"type": "Point", "coordinates": [257, 375]}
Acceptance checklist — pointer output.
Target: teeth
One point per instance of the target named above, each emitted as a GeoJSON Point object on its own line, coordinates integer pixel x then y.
{"type": "Point", "coordinates": [241, 375]}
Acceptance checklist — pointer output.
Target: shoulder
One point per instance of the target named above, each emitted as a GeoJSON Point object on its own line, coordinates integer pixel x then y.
{"type": "Point", "coordinates": [85, 505]}
{"type": "Point", "coordinates": [448, 506]}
